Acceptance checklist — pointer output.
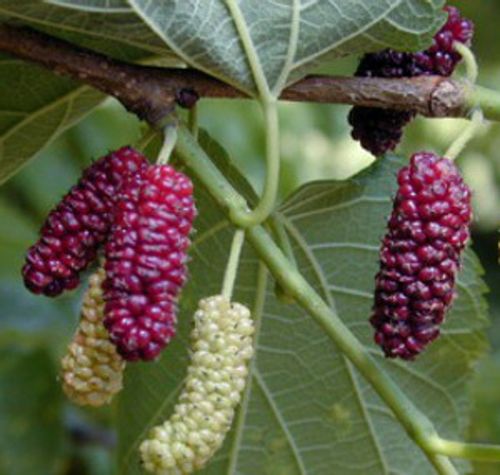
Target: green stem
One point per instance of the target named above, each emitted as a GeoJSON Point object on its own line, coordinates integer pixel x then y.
{"type": "Point", "coordinates": [469, 60]}
{"type": "Point", "coordinates": [269, 103]}
{"type": "Point", "coordinates": [417, 425]}
{"type": "Point", "coordinates": [240, 214]}
{"type": "Point", "coordinates": [232, 265]}
{"type": "Point", "coordinates": [487, 99]}
{"type": "Point", "coordinates": [442, 464]}
{"type": "Point", "coordinates": [450, 448]}
{"type": "Point", "coordinates": [193, 121]}
{"type": "Point", "coordinates": [169, 141]}
{"type": "Point", "coordinates": [465, 136]}
{"type": "Point", "coordinates": [250, 52]}
{"type": "Point", "coordinates": [268, 199]}
{"type": "Point", "coordinates": [282, 237]}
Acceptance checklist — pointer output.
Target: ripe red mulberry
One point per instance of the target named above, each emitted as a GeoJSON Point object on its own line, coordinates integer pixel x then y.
{"type": "Point", "coordinates": [80, 223]}
{"type": "Point", "coordinates": [146, 260]}
{"type": "Point", "coordinates": [420, 255]}
{"type": "Point", "coordinates": [380, 130]}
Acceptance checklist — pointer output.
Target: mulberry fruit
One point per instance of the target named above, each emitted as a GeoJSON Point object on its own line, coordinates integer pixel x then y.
{"type": "Point", "coordinates": [92, 370]}
{"type": "Point", "coordinates": [146, 260]}
{"type": "Point", "coordinates": [441, 58]}
{"type": "Point", "coordinates": [420, 255]}
{"type": "Point", "coordinates": [80, 223]}
{"type": "Point", "coordinates": [380, 130]}
{"type": "Point", "coordinates": [222, 347]}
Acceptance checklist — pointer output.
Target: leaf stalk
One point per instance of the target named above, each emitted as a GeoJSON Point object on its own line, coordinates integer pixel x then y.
{"type": "Point", "coordinates": [267, 202]}
{"type": "Point", "coordinates": [464, 450]}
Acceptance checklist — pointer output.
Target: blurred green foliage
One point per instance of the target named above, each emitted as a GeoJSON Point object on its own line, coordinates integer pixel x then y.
{"type": "Point", "coordinates": [60, 439]}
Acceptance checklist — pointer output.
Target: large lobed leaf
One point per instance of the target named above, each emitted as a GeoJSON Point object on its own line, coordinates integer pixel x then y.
{"type": "Point", "coordinates": [288, 37]}
{"type": "Point", "coordinates": [306, 409]}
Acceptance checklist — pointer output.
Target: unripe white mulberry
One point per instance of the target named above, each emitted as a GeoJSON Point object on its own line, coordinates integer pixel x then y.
{"type": "Point", "coordinates": [92, 370]}
{"type": "Point", "coordinates": [222, 347]}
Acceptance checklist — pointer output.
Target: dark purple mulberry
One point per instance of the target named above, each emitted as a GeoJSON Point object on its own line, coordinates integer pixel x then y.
{"type": "Point", "coordinates": [146, 260]}
{"type": "Point", "coordinates": [380, 130]}
{"type": "Point", "coordinates": [441, 58]}
{"type": "Point", "coordinates": [420, 255]}
{"type": "Point", "coordinates": [74, 230]}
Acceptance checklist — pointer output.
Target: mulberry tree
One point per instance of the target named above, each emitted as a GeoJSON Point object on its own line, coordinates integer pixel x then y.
{"type": "Point", "coordinates": [330, 331]}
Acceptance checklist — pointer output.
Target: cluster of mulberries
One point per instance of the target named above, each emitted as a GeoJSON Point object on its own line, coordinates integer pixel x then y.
{"type": "Point", "coordinates": [222, 347]}
{"type": "Point", "coordinates": [380, 130]}
{"type": "Point", "coordinates": [420, 255]}
{"type": "Point", "coordinates": [142, 214]}
{"type": "Point", "coordinates": [74, 230]}
{"type": "Point", "coordinates": [92, 370]}
{"type": "Point", "coordinates": [146, 260]}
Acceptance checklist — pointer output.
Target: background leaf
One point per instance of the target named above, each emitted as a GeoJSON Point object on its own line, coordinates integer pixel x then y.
{"type": "Point", "coordinates": [31, 426]}
{"type": "Point", "coordinates": [290, 36]}
{"type": "Point", "coordinates": [40, 105]}
{"type": "Point", "coordinates": [307, 410]}
{"type": "Point", "coordinates": [38, 109]}
{"type": "Point", "coordinates": [16, 234]}
{"type": "Point", "coordinates": [116, 34]}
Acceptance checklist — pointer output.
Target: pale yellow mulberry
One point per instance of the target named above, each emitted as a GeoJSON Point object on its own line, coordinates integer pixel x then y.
{"type": "Point", "coordinates": [221, 349]}
{"type": "Point", "coordinates": [92, 370]}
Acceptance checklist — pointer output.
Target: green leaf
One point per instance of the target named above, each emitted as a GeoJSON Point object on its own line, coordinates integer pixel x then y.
{"type": "Point", "coordinates": [33, 321]}
{"type": "Point", "coordinates": [28, 320]}
{"type": "Point", "coordinates": [35, 105]}
{"type": "Point", "coordinates": [17, 233]}
{"type": "Point", "coordinates": [287, 38]}
{"type": "Point", "coordinates": [307, 410]}
{"type": "Point", "coordinates": [31, 428]}
{"type": "Point", "coordinates": [115, 34]}
{"type": "Point", "coordinates": [102, 6]}
{"type": "Point", "coordinates": [335, 229]}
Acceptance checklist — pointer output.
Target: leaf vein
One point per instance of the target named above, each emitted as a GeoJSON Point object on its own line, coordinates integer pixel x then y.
{"type": "Point", "coordinates": [291, 441]}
